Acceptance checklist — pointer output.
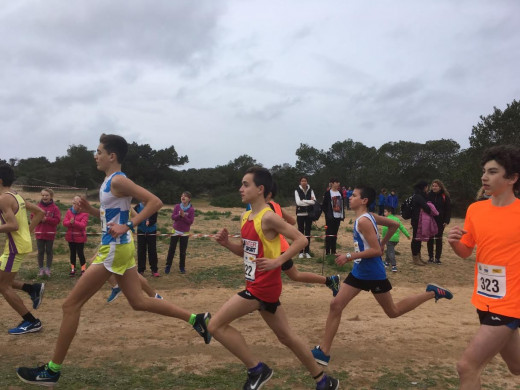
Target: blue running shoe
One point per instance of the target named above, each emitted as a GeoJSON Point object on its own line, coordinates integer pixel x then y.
{"type": "Point", "coordinates": [167, 269]}
{"type": "Point", "coordinates": [258, 378]}
{"type": "Point", "coordinates": [334, 284]}
{"type": "Point", "coordinates": [114, 294]}
{"type": "Point", "coordinates": [26, 327]}
{"type": "Point", "coordinates": [158, 296]}
{"type": "Point", "coordinates": [440, 292]}
{"type": "Point", "coordinates": [327, 383]}
{"type": "Point", "coordinates": [201, 326]}
{"type": "Point", "coordinates": [37, 294]}
{"type": "Point", "coordinates": [320, 356]}
{"type": "Point", "coordinates": [38, 376]}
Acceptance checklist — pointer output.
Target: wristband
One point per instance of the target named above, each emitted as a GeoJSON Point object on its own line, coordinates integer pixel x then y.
{"type": "Point", "coordinates": [348, 256]}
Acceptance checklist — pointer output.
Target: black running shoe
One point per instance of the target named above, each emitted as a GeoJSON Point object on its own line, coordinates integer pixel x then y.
{"type": "Point", "coordinates": [256, 381]}
{"type": "Point", "coordinates": [37, 294]}
{"type": "Point", "coordinates": [327, 383]}
{"type": "Point", "coordinates": [201, 326]}
{"type": "Point", "coordinates": [41, 376]}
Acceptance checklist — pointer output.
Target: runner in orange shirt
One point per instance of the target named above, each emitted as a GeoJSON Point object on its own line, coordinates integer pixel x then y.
{"type": "Point", "coordinates": [493, 226]}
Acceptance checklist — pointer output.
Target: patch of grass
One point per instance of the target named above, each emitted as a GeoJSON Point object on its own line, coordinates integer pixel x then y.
{"type": "Point", "coordinates": [227, 276]}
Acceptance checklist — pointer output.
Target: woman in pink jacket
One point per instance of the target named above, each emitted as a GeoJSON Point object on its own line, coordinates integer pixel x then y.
{"type": "Point", "coordinates": [45, 231]}
{"type": "Point", "coordinates": [76, 236]}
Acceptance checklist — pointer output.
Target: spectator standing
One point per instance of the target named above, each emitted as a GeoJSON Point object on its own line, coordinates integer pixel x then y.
{"type": "Point", "coordinates": [332, 207]}
{"type": "Point", "coordinates": [183, 216]}
{"type": "Point", "coordinates": [45, 231]}
{"type": "Point", "coordinates": [418, 203]}
{"type": "Point", "coordinates": [147, 242]}
{"type": "Point", "coordinates": [349, 194]}
{"type": "Point", "coordinates": [381, 201]}
{"type": "Point", "coordinates": [440, 197]}
{"type": "Point", "coordinates": [76, 224]}
{"type": "Point", "coordinates": [394, 239]}
{"type": "Point", "coordinates": [305, 199]}
{"type": "Point", "coordinates": [392, 201]}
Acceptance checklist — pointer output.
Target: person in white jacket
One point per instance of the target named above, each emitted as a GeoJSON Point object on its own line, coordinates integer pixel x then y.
{"type": "Point", "coordinates": [305, 199]}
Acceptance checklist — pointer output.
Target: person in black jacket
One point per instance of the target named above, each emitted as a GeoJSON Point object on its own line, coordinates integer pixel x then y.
{"type": "Point", "coordinates": [304, 198]}
{"type": "Point", "coordinates": [440, 197]}
{"type": "Point", "coordinates": [418, 202]}
{"type": "Point", "coordinates": [333, 208]}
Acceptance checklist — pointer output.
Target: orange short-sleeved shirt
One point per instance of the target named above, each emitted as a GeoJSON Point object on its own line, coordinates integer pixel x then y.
{"type": "Point", "coordinates": [495, 231]}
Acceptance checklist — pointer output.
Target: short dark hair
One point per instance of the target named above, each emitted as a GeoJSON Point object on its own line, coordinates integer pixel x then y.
{"type": "Point", "coordinates": [390, 209]}
{"type": "Point", "coordinates": [367, 192]}
{"type": "Point", "coordinates": [304, 177]}
{"type": "Point", "coordinates": [7, 175]}
{"type": "Point", "coordinates": [115, 144]}
{"type": "Point", "coordinates": [507, 156]}
{"type": "Point", "coordinates": [419, 186]}
{"type": "Point", "coordinates": [186, 193]}
{"type": "Point", "coordinates": [261, 177]}
{"type": "Point", "coordinates": [333, 180]}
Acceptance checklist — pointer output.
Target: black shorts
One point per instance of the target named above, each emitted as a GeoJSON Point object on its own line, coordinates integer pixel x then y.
{"type": "Point", "coordinates": [287, 265]}
{"type": "Point", "coordinates": [267, 306]}
{"type": "Point", "coordinates": [493, 319]}
{"type": "Point", "coordinates": [375, 286]}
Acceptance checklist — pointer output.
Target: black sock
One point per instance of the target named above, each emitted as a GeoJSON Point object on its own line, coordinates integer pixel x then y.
{"type": "Point", "coordinates": [29, 317]}
{"type": "Point", "coordinates": [328, 282]}
{"type": "Point", "coordinates": [28, 288]}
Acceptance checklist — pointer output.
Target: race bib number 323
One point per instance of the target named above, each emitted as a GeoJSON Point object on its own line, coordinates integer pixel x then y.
{"type": "Point", "coordinates": [491, 281]}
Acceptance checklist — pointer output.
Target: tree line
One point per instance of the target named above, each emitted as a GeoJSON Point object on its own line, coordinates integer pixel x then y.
{"type": "Point", "coordinates": [395, 165]}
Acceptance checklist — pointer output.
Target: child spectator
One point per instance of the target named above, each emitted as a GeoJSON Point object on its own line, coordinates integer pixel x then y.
{"type": "Point", "coordinates": [392, 201]}
{"type": "Point", "coordinates": [394, 239]}
{"type": "Point", "coordinates": [147, 242]}
{"type": "Point", "coordinates": [46, 230]}
{"type": "Point", "coordinates": [381, 201]}
{"type": "Point", "coordinates": [76, 224]}
{"type": "Point", "coordinates": [183, 216]}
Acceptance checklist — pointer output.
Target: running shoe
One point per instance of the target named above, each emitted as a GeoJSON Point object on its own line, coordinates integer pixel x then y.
{"type": "Point", "coordinates": [114, 294]}
{"type": "Point", "coordinates": [320, 356]}
{"type": "Point", "coordinates": [327, 383]}
{"type": "Point", "coordinates": [41, 376]}
{"type": "Point", "coordinates": [158, 296]}
{"type": "Point", "coordinates": [156, 274]}
{"type": "Point", "coordinates": [334, 284]}
{"type": "Point", "coordinates": [37, 294]}
{"type": "Point", "coordinates": [47, 272]}
{"type": "Point", "coordinates": [201, 326]}
{"type": "Point", "coordinates": [255, 381]}
{"type": "Point", "coordinates": [72, 273]}
{"type": "Point", "coordinates": [167, 269]}
{"type": "Point", "coordinates": [438, 261]}
{"type": "Point", "coordinates": [301, 256]}
{"type": "Point", "coordinates": [41, 273]}
{"type": "Point", "coordinates": [394, 268]}
{"type": "Point", "coordinates": [440, 292]}
{"type": "Point", "coordinates": [26, 327]}
{"type": "Point", "coordinates": [182, 270]}
{"type": "Point", "coordinates": [308, 255]}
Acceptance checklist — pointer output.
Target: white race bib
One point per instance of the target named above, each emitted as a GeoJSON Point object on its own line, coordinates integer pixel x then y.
{"type": "Point", "coordinates": [103, 218]}
{"type": "Point", "coordinates": [249, 267]}
{"type": "Point", "coordinates": [250, 253]}
{"type": "Point", "coordinates": [491, 281]}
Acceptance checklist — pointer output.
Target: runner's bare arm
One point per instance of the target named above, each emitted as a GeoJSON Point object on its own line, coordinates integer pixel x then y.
{"type": "Point", "coordinates": [222, 237]}
{"type": "Point", "coordinates": [10, 223]}
{"type": "Point", "coordinates": [391, 224]}
{"type": "Point", "coordinates": [38, 215]}
{"type": "Point", "coordinates": [458, 247]}
{"type": "Point", "coordinates": [86, 207]}
{"type": "Point", "coordinates": [273, 225]}
{"type": "Point", "coordinates": [123, 186]}
{"type": "Point", "coordinates": [366, 228]}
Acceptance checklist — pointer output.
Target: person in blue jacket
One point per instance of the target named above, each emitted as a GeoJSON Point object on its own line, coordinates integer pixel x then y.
{"type": "Point", "coordinates": [392, 201]}
{"type": "Point", "coordinates": [147, 242]}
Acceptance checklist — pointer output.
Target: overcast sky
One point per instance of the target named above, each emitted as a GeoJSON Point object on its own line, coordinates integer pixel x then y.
{"type": "Point", "coordinates": [222, 78]}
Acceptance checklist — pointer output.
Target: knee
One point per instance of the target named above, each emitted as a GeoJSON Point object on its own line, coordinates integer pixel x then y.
{"type": "Point", "coordinates": [514, 369]}
{"type": "Point", "coordinates": [139, 304]}
{"type": "Point", "coordinates": [465, 369]}
{"type": "Point", "coordinates": [392, 313]}
{"type": "Point", "coordinates": [285, 339]}
{"type": "Point", "coordinates": [335, 307]}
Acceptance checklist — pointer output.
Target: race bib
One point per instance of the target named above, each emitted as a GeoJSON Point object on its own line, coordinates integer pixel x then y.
{"type": "Point", "coordinates": [491, 281]}
{"type": "Point", "coordinates": [103, 218]}
{"type": "Point", "coordinates": [250, 253]}
{"type": "Point", "coordinates": [249, 267]}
